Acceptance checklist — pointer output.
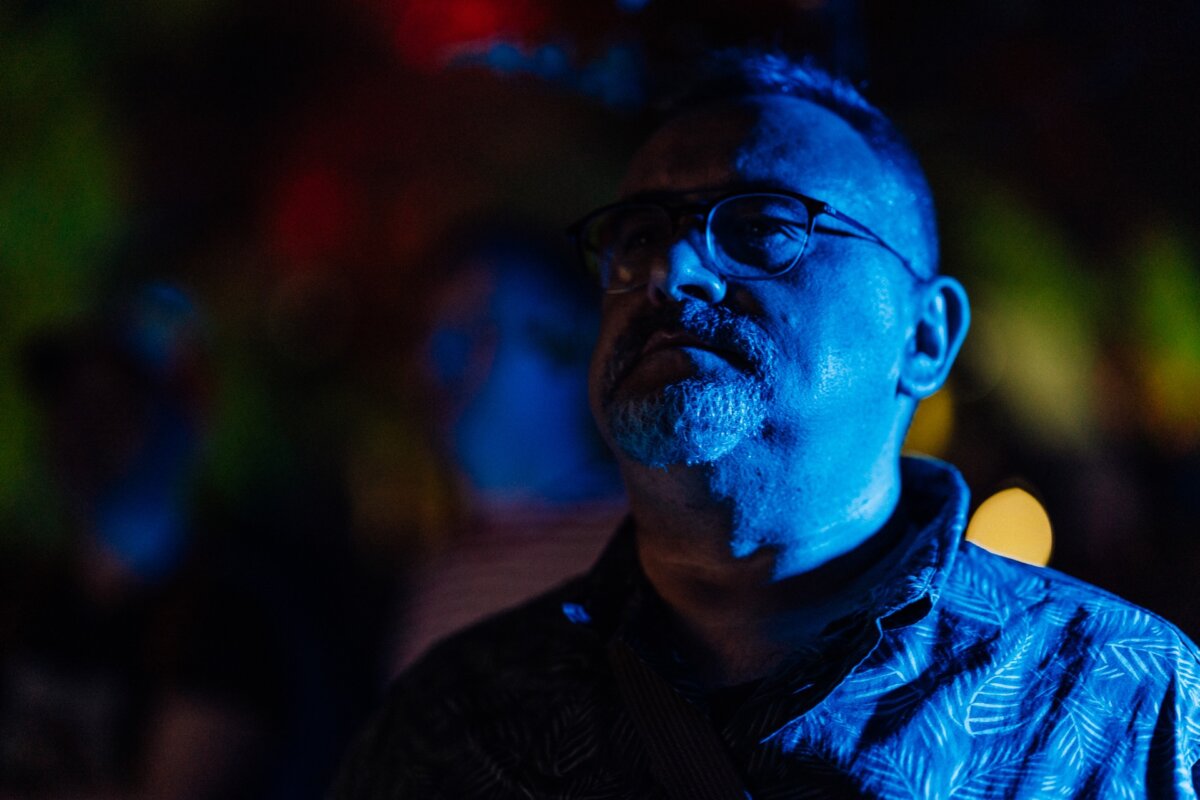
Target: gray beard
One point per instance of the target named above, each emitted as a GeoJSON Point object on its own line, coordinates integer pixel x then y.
{"type": "Point", "coordinates": [695, 421]}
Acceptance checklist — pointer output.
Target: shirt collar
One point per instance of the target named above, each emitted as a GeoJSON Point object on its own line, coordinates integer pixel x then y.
{"type": "Point", "coordinates": [935, 499]}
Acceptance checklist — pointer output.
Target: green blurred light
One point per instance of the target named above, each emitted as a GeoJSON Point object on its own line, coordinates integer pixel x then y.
{"type": "Point", "coordinates": [1036, 312]}
{"type": "Point", "coordinates": [60, 209]}
{"type": "Point", "coordinates": [1167, 311]}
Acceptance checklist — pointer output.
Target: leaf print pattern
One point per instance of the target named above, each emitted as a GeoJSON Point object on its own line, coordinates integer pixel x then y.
{"type": "Point", "coordinates": [977, 779]}
{"type": "Point", "coordinates": [995, 706]}
{"type": "Point", "coordinates": [1136, 658]}
{"type": "Point", "coordinates": [907, 773]}
{"type": "Point", "coordinates": [1080, 735]}
{"type": "Point", "coordinates": [1015, 682]}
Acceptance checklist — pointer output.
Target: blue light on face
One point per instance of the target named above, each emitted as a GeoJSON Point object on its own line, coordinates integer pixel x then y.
{"type": "Point", "coordinates": [511, 367]}
{"type": "Point", "coordinates": [523, 430]}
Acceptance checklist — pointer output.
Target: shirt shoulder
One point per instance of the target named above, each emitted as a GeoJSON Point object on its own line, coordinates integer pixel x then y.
{"type": "Point", "coordinates": [1000, 590]}
{"type": "Point", "coordinates": [1087, 642]}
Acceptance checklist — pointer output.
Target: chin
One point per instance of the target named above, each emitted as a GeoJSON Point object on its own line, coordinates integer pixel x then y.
{"type": "Point", "coordinates": [692, 422]}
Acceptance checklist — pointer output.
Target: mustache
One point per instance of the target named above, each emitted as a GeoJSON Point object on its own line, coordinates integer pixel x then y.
{"type": "Point", "coordinates": [717, 327]}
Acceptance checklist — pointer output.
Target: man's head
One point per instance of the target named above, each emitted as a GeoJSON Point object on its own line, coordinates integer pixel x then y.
{"type": "Point", "coordinates": [700, 359]}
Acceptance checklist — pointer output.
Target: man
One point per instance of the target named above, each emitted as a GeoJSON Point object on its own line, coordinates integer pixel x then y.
{"type": "Point", "coordinates": [789, 610]}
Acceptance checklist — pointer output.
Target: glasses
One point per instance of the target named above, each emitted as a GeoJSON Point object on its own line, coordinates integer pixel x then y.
{"type": "Point", "coordinates": [755, 237]}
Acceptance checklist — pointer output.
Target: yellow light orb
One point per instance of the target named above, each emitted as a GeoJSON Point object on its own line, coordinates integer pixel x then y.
{"type": "Point", "coordinates": [1013, 523]}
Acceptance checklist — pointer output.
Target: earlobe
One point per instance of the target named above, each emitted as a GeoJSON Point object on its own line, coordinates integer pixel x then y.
{"type": "Point", "coordinates": [943, 315]}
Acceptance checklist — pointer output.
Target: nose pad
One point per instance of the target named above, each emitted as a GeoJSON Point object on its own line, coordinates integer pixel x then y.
{"type": "Point", "coordinates": [682, 274]}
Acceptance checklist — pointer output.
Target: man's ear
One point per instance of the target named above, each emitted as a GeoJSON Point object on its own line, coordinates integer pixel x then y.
{"type": "Point", "coordinates": [943, 316]}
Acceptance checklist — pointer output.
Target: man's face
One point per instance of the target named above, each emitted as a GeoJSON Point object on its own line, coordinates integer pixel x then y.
{"type": "Point", "coordinates": [693, 367]}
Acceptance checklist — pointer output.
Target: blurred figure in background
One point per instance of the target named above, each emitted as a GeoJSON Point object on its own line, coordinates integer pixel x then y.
{"type": "Point", "coordinates": [129, 666]}
{"type": "Point", "coordinates": [186, 643]}
{"type": "Point", "coordinates": [504, 360]}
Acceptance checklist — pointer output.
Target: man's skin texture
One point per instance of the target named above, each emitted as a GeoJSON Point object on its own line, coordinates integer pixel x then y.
{"type": "Point", "coordinates": [756, 544]}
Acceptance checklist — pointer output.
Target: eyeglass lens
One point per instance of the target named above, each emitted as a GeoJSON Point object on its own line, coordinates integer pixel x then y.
{"type": "Point", "coordinates": [753, 235]}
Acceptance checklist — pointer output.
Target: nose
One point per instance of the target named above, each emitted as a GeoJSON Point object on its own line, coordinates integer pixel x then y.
{"type": "Point", "coordinates": [682, 273]}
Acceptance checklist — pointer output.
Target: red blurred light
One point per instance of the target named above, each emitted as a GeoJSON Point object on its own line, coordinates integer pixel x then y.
{"type": "Point", "coordinates": [313, 219]}
{"type": "Point", "coordinates": [473, 19]}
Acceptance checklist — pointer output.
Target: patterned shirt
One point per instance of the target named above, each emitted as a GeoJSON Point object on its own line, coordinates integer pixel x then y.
{"type": "Point", "coordinates": [966, 676]}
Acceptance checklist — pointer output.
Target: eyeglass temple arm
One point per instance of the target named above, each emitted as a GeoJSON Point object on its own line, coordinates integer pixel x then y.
{"type": "Point", "coordinates": [858, 226]}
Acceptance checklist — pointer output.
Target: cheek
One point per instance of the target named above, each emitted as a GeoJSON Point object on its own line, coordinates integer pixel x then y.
{"type": "Point", "coordinates": [596, 371]}
{"type": "Point", "coordinates": [612, 321]}
{"type": "Point", "coordinates": [843, 341]}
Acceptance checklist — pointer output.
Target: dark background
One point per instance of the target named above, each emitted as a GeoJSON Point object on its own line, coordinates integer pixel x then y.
{"type": "Point", "coordinates": [285, 182]}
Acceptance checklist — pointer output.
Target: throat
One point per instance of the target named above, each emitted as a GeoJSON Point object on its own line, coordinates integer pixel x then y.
{"type": "Point", "coordinates": [737, 618]}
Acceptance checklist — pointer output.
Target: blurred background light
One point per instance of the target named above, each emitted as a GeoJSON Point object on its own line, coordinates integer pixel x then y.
{"type": "Point", "coordinates": [1166, 316]}
{"type": "Point", "coordinates": [1013, 523]}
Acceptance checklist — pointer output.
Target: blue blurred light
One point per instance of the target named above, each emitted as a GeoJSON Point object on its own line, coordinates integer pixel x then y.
{"type": "Point", "coordinates": [505, 58]}
{"type": "Point", "coordinates": [552, 62]}
{"type": "Point", "coordinates": [615, 77]}
{"type": "Point", "coordinates": [160, 320]}
{"type": "Point", "coordinates": [576, 613]}
{"type": "Point", "coordinates": [141, 517]}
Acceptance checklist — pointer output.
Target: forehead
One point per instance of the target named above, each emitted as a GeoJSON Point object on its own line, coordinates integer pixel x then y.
{"type": "Point", "coordinates": [770, 141]}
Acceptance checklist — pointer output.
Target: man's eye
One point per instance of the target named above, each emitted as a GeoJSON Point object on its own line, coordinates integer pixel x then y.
{"type": "Point", "coordinates": [637, 239]}
{"type": "Point", "coordinates": [766, 227]}
{"type": "Point", "coordinates": [762, 241]}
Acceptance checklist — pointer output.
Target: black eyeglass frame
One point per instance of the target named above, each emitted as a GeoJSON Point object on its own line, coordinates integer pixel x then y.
{"type": "Point", "coordinates": [676, 211]}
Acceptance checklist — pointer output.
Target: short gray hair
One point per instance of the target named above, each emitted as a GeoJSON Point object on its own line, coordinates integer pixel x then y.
{"type": "Point", "coordinates": [732, 74]}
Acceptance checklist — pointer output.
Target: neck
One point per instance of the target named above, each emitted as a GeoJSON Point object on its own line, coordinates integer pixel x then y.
{"type": "Point", "coordinates": [751, 565]}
